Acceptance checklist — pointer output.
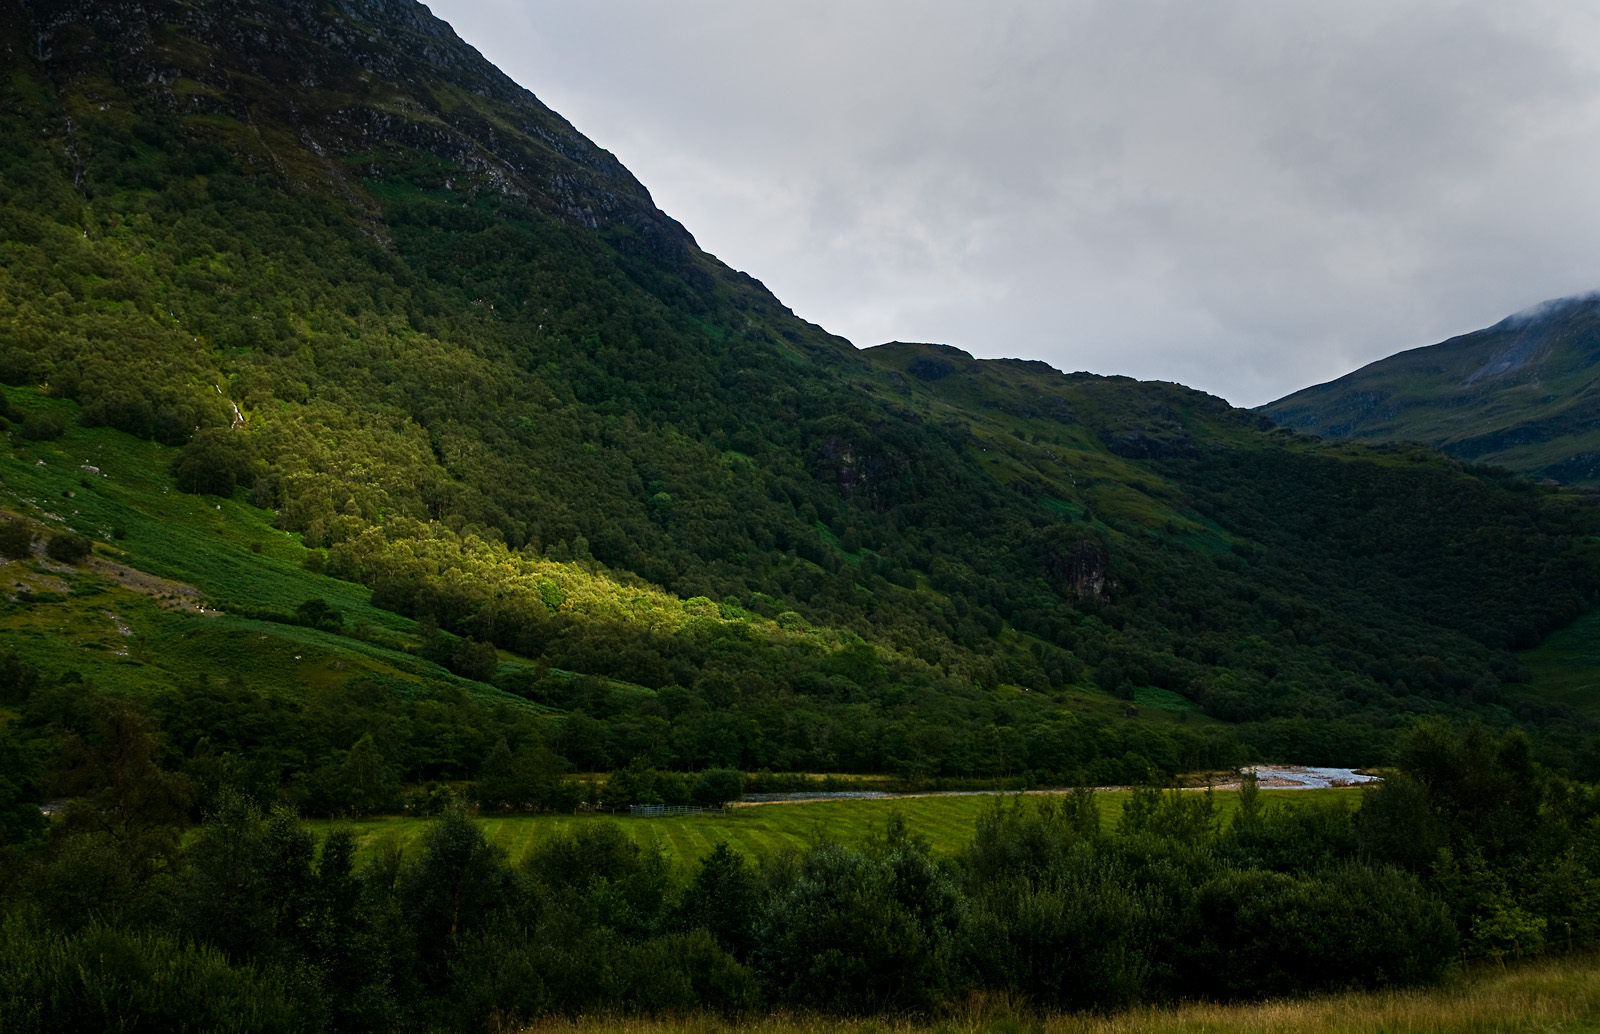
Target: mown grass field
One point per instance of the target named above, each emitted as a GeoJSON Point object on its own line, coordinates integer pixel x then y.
{"type": "Point", "coordinates": [758, 830]}
{"type": "Point", "coordinates": [1560, 996]}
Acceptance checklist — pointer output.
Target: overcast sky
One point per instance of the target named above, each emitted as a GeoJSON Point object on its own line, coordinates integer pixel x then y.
{"type": "Point", "coordinates": [1247, 196]}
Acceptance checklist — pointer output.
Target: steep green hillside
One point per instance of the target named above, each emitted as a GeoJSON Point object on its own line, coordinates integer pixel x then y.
{"type": "Point", "coordinates": [1523, 394]}
{"type": "Point", "coordinates": [316, 278]}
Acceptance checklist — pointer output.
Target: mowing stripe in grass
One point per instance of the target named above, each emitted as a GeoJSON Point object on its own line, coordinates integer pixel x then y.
{"type": "Point", "coordinates": [946, 822]}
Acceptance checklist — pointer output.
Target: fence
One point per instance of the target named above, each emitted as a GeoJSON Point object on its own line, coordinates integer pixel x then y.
{"type": "Point", "coordinates": [648, 810]}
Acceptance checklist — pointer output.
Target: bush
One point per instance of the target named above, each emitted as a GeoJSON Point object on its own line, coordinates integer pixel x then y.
{"type": "Point", "coordinates": [717, 786]}
{"type": "Point", "coordinates": [503, 979]}
{"type": "Point", "coordinates": [475, 660]}
{"type": "Point", "coordinates": [103, 979]}
{"type": "Point", "coordinates": [69, 548]}
{"type": "Point", "coordinates": [21, 822]}
{"type": "Point", "coordinates": [317, 614]}
{"type": "Point", "coordinates": [212, 464]}
{"type": "Point", "coordinates": [858, 935]}
{"type": "Point", "coordinates": [16, 540]}
{"type": "Point", "coordinates": [682, 972]}
{"type": "Point", "coordinates": [43, 427]}
{"type": "Point", "coordinates": [1262, 934]}
{"type": "Point", "coordinates": [1079, 942]}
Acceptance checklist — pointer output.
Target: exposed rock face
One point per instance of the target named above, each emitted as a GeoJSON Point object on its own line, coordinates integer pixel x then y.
{"type": "Point", "coordinates": [1081, 567]}
{"type": "Point", "coordinates": [858, 474]}
{"type": "Point", "coordinates": [931, 369]}
{"type": "Point", "coordinates": [1151, 442]}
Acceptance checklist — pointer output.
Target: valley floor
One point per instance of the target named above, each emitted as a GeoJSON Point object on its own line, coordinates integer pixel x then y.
{"type": "Point", "coordinates": [1557, 996]}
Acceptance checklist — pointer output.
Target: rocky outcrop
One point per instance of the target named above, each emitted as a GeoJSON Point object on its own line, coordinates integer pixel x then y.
{"type": "Point", "coordinates": [1080, 567]}
{"type": "Point", "coordinates": [859, 474]}
{"type": "Point", "coordinates": [1150, 442]}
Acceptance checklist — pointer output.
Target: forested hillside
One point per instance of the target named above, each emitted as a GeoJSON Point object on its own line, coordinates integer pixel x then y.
{"type": "Point", "coordinates": [380, 365]}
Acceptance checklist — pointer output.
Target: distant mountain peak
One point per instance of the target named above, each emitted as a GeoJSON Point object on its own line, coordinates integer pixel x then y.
{"type": "Point", "coordinates": [1520, 394]}
{"type": "Point", "coordinates": [1547, 309]}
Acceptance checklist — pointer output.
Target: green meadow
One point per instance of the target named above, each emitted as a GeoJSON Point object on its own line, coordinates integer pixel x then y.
{"type": "Point", "coordinates": [758, 830]}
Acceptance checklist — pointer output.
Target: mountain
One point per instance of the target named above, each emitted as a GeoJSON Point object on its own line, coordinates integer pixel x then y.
{"type": "Point", "coordinates": [402, 423]}
{"type": "Point", "coordinates": [1522, 394]}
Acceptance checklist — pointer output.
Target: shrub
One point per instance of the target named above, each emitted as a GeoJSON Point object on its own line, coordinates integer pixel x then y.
{"type": "Point", "coordinates": [212, 464]}
{"type": "Point", "coordinates": [104, 979]}
{"type": "Point", "coordinates": [317, 614]}
{"type": "Point", "coordinates": [16, 540]}
{"type": "Point", "coordinates": [718, 786]}
{"type": "Point", "coordinates": [69, 548]}
{"type": "Point", "coordinates": [21, 822]}
{"type": "Point", "coordinates": [1265, 934]}
{"type": "Point", "coordinates": [854, 934]}
{"type": "Point", "coordinates": [475, 660]}
{"type": "Point", "coordinates": [1079, 943]}
{"type": "Point", "coordinates": [43, 427]}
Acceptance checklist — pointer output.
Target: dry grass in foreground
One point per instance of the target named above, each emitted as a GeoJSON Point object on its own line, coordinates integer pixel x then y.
{"type": "Point", "coordinates": [1561, 997]}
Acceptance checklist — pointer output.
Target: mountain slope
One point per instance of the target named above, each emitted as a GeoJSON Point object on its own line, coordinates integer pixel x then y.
{"type": "Point", "coordinates": [1522, 394]}
{"type": "Point", "coordinates": [325, 265]}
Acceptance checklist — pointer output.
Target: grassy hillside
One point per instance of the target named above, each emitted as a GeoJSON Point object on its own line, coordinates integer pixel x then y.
{"type": "Point", "coordinates": [1523, 394]}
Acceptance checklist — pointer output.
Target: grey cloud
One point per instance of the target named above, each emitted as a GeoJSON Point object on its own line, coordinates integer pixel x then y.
{"type": "Point", "coordinates": [1244, 195]}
